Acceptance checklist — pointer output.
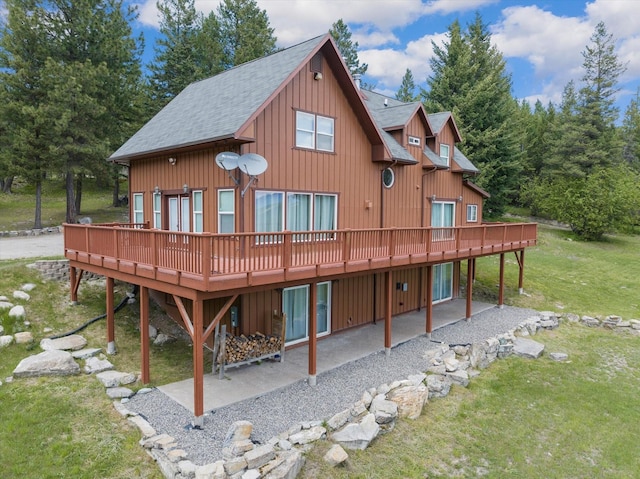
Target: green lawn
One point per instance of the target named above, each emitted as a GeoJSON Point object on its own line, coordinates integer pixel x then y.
{"type": "Point", "coordinates": [18, 208]}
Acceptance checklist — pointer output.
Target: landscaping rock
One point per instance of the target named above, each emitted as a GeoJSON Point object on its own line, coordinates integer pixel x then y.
{"type": "Point", "coordinates": [23, 337]}
{"type": "Point", "coordinates": [96, 365]}
{"type": "Point", "coordinates": [5, 340]}
{"type": "Point", "coordinates": [308, 435]}
{"type": "Point", "coordinates": [589, 321]}
{"type": "Point", "coordinates": [438, 385]}
{"type": "Point", "coordinates": [28, 287]}
{"type": "Point", "coordinates": [5, 305]}
{"type": "Point", "coordinates": [384, 411]}
{"type": "Point", "coordinates": [410, 400]}
{"type": "Point", "coordinates": [86, 353]}
{"type": "Point", "coordinates": [112, 379]}
{"type": "Point", "coordinates": [339, 419]}
{"type": "Point", "coordinates": [559, 356]}
{"type": "Point", "coordinates": [336, 455]}
{"type": "Point", "coordinates": [47, 363]}
{"type": "Point", "coordinates": [163, 339]}
{"type": "Point", "coordinates": [459, 377]}
{"type": "Point", "coordinates": [119, 393]}
{"type": "Point", "coordinates": [17, 312]}
{"type": "Point", "coordinates": [73, 342]}
{"type": "Point", "coordinates": [143, 425]}
{"type": "Point", "coordinates": [259, 456]}
{"type": "Point", "coordinates": [358, 435]}
{"type": "Point", "coordinates": [21, 295]}
{"type": "Point", "coordinates": [527, 348]}
{"type": "Point", "coordinates": [289, 468]}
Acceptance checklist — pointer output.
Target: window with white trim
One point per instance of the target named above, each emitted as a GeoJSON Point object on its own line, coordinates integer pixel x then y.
{"type": "Point", "coordinates": [138, 208]}
{"type": "Point", "coordinates": [226, 211]}
{"type": "Point", "coordinates": [314, 131]}
{"type": "Point", "coordinates": [269, 215]}
{"type": "Point", "coordinates": [444, 153]}
{"type": "Point", "coordinates": [198, 216]}
{"type": "Point", "coordinates": [414, 140]}
{"type": "Point", "coordinates": [157, 210]}
{"type": "Point", "coordinates": [472, 213]}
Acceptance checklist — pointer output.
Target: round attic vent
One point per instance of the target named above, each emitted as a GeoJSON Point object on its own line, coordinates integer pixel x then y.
{"type": "Point", "coordinates": [388, 177]}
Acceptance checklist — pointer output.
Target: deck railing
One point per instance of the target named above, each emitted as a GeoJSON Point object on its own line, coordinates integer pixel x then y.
{"type": "Point", "coordinates": [214, 255]}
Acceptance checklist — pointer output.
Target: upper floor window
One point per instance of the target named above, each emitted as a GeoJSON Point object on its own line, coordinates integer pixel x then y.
{"type": "Point", "coordinates": [414, 140]}
{"type": "Point", "coordinates": [472, 213]}
{"type": "Point", "coordinates": [198, 213]}
{"type": "Point", "coordinates": [157, 210]}
{"type": "Point", "coordinates": [314, 131]}
{"type": "Point", "coordinates": [226, 211]}
{"type": "Point", "coordinates": [444, 152]}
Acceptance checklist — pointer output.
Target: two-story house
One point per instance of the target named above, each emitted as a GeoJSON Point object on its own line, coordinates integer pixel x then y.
{"type": "Point", "coordinates": [281, 186]}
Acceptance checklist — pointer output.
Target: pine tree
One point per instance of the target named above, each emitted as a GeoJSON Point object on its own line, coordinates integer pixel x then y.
{"type": "Point", "coordinates": [245, 33]}
{"type": "Point", "coordinates": [347, 47]}
{"type": "Point", "coordinates": [407, 90]}
{"type": "Point", "coordinates": [470, 79]}
{"type": "Point", "coordinates": [174, 65]}
{"type": "Point", "coordinates": [631, 133]}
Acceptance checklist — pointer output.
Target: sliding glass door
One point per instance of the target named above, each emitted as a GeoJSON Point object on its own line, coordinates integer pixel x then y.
{"type": "Point", "coordinates": [295, 304]}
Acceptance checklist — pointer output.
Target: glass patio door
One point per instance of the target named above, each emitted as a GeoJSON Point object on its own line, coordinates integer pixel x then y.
{"type": "Point", "coordinates": [295, 304]}
{"type": "Point", "coordinates": [442, 282]}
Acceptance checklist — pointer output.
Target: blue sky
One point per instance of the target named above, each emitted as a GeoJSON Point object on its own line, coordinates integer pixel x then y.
{"type": "Point", "coordinates": [542, 40]}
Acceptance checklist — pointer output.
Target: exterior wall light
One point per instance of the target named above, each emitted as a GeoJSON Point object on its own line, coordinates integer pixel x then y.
{"type": "Point", "coordinates": [172, 161]}
{"type": "Point", "coordinates": [185, 188]}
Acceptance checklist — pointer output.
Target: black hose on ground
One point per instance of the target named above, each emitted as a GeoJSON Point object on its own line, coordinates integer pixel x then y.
{"type": "Point", "coordinates": [122, 304]}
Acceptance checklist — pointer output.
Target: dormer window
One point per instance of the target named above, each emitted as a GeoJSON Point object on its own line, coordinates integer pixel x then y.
{"type": "Point", "coordinates": [314, 131]}
{"type": "Point", "coordinates": [444, 153]}
{"type": "Point", "coordinates": [414, 140]}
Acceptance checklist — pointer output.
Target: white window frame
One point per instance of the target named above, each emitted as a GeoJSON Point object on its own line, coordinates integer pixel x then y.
{"type": "Point", "coordinates": [198, 214]}
{"type": "Point", "coordinates": [157, 210]}
{"type": "Point", "coordinates": [223, 213]}
{"type": "Point", "coordinates": [307, 288]}
{"type": "Point", "coordinates": [271, 236]}
{"type": "Point", "coordinates": [138, 214]}
{"type": "Point", "coordinates": [448, 155]}
{"type": "Point", "coordinates": [472, 213]}
{"type": "Point", "coordinates": [414, 140]}
{"type": "Point", "coordinates": [318, 131]}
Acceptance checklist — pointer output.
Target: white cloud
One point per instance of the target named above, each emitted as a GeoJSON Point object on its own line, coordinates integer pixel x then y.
{"type": "Point", "coordinates": [450, 6]}
{"type": "Point", "coordinates": [620, 16]}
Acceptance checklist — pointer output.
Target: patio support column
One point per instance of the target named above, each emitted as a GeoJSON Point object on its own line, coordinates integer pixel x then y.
{"type": "Point", "coordinates": [501, 285]}
{"type": "Point", "coordinates": [429, 325]}
{"type": "Point", "coordinates": [198, 363]}
{"type": "Point", "coordinates": [387, 311]}
{"type": "Point", "coordinates": [313, 332]}
{"type": "Point", "coordinates": [469, 287]}
{"type": "Point", "coordinates": [111, 332]}
{"type": "Point", "coordinates": [144, 334]}
{"type": "Point", "coordinates": [521, 275]}
{"type": "Point", "coordinates": [72, 283]}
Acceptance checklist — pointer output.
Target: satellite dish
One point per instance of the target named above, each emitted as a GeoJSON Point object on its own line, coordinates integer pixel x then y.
{"type": "Point", "coordinates": [252, 164]}
{"type": "Point", "coordinates": [227, 160]}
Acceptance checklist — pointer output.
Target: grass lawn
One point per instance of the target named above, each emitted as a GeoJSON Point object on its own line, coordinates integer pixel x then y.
{"type": "Point", "coordinates": [18, 208]}
{"type": "Point", "coordinates": [518, 419]}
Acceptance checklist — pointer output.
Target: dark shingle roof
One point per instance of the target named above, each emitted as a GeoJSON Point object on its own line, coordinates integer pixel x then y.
{"type": "Point", "coordinates": [218, 106]}
{"type": "Point", "coordinates": [463, 162]}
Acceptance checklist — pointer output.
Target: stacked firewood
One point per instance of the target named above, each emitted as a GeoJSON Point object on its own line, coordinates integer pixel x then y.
{"type": "Point", "coordinates": [243, 348]}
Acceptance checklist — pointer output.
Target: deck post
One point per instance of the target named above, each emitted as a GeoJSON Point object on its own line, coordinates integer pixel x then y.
{"type": "Point", "coordinates": [521, 274]}
{"type": "Point", "coordinates": [198, 363]}
{"type": "Point", "coordinates": [72, 283]}
{"type": "Point", "coordinates": [144, 334]}
{"type": "Point", "coordinates": [469, 287]}
{"type": "Point", "coordinates": [501, 285]}
{"type": "Point", "coordinates": [313, 328]}
{"type": "Point", "coordinates": [387, 311]}
{"type": "Point", "coordinates": [429, 325]}
{"type": "Point", "coordinates": [111, 332]}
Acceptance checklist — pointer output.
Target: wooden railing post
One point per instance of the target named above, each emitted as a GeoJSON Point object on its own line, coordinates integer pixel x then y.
{"type": "Point", "coordinates": [288, 249]}
{"type": "Point", "coordinates": [206, 260]}
{"type": "Point", "coordinates": [392, 243]}
{"type": "Point", "coordinates": [346, 246]}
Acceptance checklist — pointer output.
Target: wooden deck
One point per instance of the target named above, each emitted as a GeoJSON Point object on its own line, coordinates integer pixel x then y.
{"type": "Point", "coordinates": [218, 263]}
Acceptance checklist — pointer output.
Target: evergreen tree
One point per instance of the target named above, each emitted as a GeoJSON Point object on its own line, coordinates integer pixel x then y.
{"type": "Point", "coordinates": [407, 90]}
{"type": "Point", "coordinates": [245, 33]}
{"type": "Point", "coordinates": [631, 133]}
{"type": "Point", "coordinates": [209, 53]}
{"type": "Point", "coordinates": [470, 79]}
{"type": "Point", "coordinates": [174, 65]}
{"type": "Point", "coordinates": [348, 48]}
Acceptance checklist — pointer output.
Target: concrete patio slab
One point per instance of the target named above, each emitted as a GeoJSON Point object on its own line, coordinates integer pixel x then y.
{"type": "Point", "coordinates": [246, 382]}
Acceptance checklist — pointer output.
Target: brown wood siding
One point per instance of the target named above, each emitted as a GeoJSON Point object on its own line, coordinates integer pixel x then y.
{"type": "Point", "coordinates": [347, 311]}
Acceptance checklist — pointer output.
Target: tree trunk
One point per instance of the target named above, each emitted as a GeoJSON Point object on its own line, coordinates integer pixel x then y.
{"type": "Point", "coordinates": [116, 190]}
{"type": "Point", "coordinates": [37, 224]}
{"type": "Point", "coordinates": [71, 202]}
{"type": "Point", "coordinates": [5, 184]}
{"type": "Point", "coordinates": [78, 196]}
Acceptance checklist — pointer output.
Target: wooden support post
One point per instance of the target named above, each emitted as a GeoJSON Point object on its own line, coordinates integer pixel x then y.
{"type": "Point", "coordinates": [501, 284]}
{"type": "Point", "coordinates": [429, 326]}
{"type": "Point", "coordinates": [388, 277]}
{"type": "Point", "coordinates": [198, 362]}
{"type": "Point", "coordinates": [313, 332]}
{"type": "Point", "coordinates": [521, 275]}
{"type": "Point", "coordinates": [469, 287]}
{"type": "Point", "coordinates": [144, 334]}
{"type": "Point", "coordinates": [74, 279]}
{"type": "Point", "coordinates": [111, 331]}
